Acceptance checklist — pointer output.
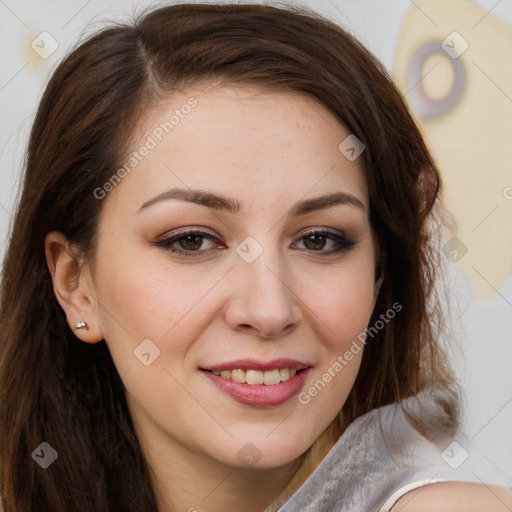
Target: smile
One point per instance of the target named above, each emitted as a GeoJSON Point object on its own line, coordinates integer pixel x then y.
{"type": "Point", "coordinates": [255, 377]}
{"type": "Point", "coordinates": [259, 384]}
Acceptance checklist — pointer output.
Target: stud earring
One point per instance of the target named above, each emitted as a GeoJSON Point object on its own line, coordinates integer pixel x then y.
{"type": "Point", "coordinates": [81, 325]}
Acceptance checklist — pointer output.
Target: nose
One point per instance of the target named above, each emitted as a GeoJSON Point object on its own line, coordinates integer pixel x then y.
{"type": "Point", "coordinates": [262, 301]}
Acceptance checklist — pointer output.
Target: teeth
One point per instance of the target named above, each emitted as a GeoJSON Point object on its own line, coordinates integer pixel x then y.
{"type": "Point", "coordinates": [238, 375]}
{"type": "Point", "coordinates": [271, 378]}
{"type": "Point", "coordinates": [254, 377]}
{"type": "Point", "coordinates": [284, 374]}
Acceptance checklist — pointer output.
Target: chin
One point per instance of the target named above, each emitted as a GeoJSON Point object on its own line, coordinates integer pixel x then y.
{"type": "Point", "coordinates": [267, 450]}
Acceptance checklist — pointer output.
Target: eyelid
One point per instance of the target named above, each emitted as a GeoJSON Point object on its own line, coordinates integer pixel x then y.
{"type": "Point", "coordinates": [321, 230]}
{"type": "Point", "coordinates": [189, 230]}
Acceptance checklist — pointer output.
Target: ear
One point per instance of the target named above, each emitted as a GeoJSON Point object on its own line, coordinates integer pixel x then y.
{"type": "Point", "coordinates": [378, 284]}
{"type": "Point", "coordinates": [379, 274]}
{"type": "Point", "coordinates": [73, 287]}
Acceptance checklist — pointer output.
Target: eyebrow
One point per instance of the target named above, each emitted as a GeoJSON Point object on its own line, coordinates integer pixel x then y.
{"type": "Point", "coordinates": [221, 203]}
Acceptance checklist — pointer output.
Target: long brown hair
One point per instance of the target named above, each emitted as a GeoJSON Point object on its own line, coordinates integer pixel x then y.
{"type": "Point", "coordinates": [56, 389]}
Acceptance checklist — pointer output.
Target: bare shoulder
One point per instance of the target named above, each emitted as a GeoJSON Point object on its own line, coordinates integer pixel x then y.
{"type": "Point", "coordinates": [455, 497]}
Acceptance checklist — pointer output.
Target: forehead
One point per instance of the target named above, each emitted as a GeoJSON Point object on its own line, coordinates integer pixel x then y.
{"type": "Point", "coordinates": [259, 145]}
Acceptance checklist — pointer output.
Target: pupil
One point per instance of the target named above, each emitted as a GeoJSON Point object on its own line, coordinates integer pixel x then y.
{"type": "Point", "coordinates": [191, 242]}
{"type": "Point", "coordinates": [315, 241]}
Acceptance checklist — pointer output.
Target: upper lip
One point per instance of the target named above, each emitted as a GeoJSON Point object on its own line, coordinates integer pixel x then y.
{"type": "Point", "coordinates": [253, 364]}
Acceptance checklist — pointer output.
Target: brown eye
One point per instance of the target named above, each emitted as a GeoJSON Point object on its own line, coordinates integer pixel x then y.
{"type": "Point", "coordinates": [315, 242]}
{"type": "Point", "coordinates": [324, 242]}
{"type": "Point", "coordinates": [191, 243]}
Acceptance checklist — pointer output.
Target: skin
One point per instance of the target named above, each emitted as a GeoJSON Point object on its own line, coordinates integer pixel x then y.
{"type": "Point", "coordinates": [298, 301]}
{"type": "Point", "coordinates": [455, 496]}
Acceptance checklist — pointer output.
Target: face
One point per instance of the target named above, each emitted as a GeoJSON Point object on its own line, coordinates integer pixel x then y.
{"type": "Point", "coordinates": [235, 268]}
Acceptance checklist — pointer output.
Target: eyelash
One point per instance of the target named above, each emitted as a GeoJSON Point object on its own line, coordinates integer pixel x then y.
{"type": "Point", "coordinates": [341, 240]}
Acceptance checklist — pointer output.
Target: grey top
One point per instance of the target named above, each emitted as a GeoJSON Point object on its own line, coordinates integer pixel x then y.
{"type": "Point", "coordinates": [379, 458]}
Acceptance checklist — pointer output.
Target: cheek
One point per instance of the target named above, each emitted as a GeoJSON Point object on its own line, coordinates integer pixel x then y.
{"type": "Point", "coordinates": [341, 312]}
{"type": "Point", "coordinates": [140, 300]}
{"type": "Point", "coordinates": [340, 303]}
{"type": "Point", "coordinates": [346, 314]}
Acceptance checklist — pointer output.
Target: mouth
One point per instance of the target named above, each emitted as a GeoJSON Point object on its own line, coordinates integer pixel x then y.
{"type": "Point", "coordinates": [259, 384]}
{"type": "Point", "coordinates": [257, 377]}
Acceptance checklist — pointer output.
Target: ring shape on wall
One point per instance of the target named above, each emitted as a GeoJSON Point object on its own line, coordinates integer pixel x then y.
{"type": "Point", "coordinates": [435, 81]}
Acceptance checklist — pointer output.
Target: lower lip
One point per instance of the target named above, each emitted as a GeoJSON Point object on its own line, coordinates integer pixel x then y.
{"type": "Point", "coordinates": [259, 395]}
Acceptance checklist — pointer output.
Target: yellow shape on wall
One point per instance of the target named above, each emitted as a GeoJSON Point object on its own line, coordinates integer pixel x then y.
{"type": "Point", "coordinates": [454, 64]}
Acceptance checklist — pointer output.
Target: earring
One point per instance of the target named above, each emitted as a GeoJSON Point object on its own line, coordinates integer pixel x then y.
{"type": "Point", "coordinates": [81, 325]}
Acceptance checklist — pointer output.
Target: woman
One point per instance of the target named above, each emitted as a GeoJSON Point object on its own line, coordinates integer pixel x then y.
{"type": "Point", "coordinates": [220, 278]}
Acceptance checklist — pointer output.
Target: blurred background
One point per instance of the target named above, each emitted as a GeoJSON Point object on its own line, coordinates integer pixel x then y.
{"type": "Point", "coordinates": [453, 62]}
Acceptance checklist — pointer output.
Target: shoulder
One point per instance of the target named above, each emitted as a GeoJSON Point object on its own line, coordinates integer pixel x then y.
{"type": "Point", "coordinates": [455, 497]}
